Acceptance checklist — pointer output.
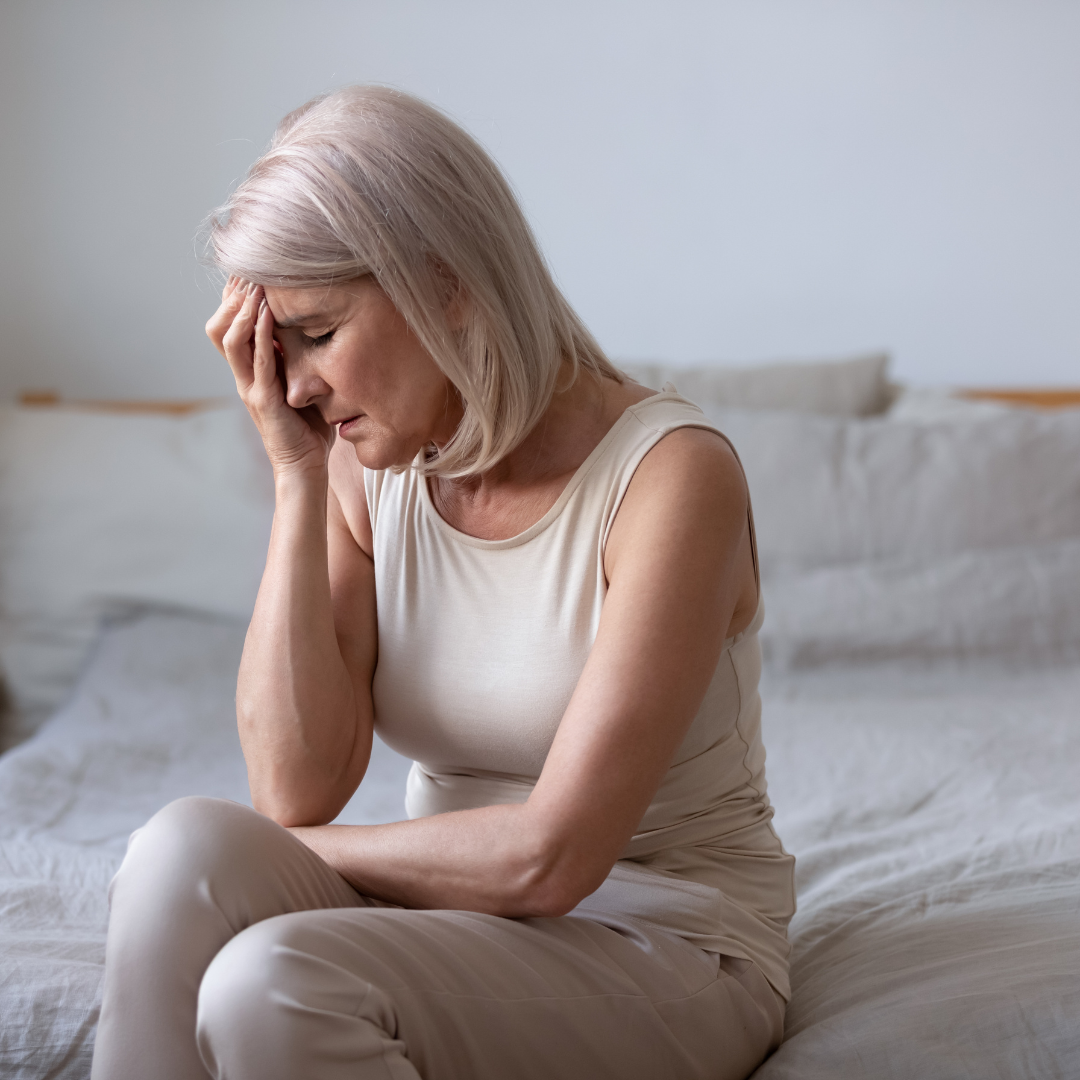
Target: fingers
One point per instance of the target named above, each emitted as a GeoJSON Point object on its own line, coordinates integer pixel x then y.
{"type": "Point", "coordinates": [243, 306]}
{"type": "Point", "coordinates": [232, 298]}
{"type": "Point", "coordinates": [233, 288]}
{"type": "Point", "coordinates": [265, 362]}
{"type": "Point", "coordinates": [237, 344]}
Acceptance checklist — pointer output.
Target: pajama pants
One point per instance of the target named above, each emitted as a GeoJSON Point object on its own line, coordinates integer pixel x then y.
{"type": "Point", "coordinates": [235, 952]}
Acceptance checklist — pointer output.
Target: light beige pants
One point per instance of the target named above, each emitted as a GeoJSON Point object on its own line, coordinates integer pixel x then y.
{"type": "Point", "coordinates": [233, 950]}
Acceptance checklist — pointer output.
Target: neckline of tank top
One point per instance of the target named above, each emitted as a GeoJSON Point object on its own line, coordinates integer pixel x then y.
{"type": "Point", "coordinates": [565, 495]}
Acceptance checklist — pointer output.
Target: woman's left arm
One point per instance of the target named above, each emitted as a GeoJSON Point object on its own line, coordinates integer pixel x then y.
{"type": "Point", "coordinates": [680, 574]}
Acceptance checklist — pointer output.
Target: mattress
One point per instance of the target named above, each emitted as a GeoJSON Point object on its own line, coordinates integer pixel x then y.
{"type": "Point", "coordinates": [934, 815]}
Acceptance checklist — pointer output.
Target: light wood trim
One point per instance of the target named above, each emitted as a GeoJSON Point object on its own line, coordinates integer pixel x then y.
{"type": "Point", "coordinates": [50, 399]}
{"type": "Point", "coordinates": [1058, 398]}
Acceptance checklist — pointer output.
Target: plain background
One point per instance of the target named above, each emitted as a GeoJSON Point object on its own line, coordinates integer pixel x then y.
{"type": "Point", "coordinates": [720, 182]}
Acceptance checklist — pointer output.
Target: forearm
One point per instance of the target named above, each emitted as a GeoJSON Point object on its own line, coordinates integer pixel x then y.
{"type": "Point", "coordinates": [500, 860]}
{"type": "Point", "coordinates": [305, 735]}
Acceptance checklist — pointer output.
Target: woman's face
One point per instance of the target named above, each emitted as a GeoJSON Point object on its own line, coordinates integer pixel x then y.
{"type": "Point", "coordinates": [349, 353]}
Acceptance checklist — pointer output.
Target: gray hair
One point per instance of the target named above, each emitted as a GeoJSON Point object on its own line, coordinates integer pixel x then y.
{"type": "Point", "coordinates": [369, 180]}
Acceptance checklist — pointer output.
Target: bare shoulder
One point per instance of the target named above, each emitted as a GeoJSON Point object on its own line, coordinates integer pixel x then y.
{"type": "Point", "coordinates": [683, 528]}
{"type": "Point", "coordinates": [347, 493]}
{"type": "Point", "coordinates": [691, 460]}
{"type": "Point", "coordinates": [689, 487]}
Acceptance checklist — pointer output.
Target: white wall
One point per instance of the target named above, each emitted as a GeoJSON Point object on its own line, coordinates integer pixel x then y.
{"type": "Point", "coordinates": [711, 181]}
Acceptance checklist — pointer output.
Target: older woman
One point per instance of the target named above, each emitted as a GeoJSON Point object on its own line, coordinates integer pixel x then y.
{"type": "Point", "coordinates": [532, 576]}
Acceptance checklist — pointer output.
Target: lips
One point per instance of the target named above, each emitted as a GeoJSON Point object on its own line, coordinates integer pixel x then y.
{"type": "Point", "coordinates": [343, 426]}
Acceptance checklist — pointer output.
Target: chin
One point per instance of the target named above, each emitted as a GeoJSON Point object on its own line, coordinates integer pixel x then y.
{"type": "Point", "coordinates": [375, 456]}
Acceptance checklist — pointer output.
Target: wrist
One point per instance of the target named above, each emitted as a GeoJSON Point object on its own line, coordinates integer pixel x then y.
{"type": "Point", "coordinates": [307, 475]}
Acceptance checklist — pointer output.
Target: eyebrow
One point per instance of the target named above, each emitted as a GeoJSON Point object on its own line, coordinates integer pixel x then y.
{"type": "Point", "coordinates": [298, 320]}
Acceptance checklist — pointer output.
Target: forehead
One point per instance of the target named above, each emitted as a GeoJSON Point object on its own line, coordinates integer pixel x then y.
{"type": "Point", "coordinates": [299, 306]}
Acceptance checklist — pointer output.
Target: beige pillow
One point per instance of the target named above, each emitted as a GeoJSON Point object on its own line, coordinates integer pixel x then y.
{"type": "Point", "coordinates": [854, 387]}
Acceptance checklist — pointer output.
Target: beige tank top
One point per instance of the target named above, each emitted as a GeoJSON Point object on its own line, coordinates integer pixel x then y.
{"type": "Point", "coordinates": [481, 643]}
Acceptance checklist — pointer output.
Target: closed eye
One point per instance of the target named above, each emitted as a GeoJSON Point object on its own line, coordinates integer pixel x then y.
{"type": "Point", "coordinates": [322, 339]}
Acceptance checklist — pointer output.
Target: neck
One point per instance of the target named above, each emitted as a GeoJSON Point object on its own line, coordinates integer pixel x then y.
{"type": "Point", "coordinates": [560, 440]}
{"type": "Point", "coordinates": [518, 490]}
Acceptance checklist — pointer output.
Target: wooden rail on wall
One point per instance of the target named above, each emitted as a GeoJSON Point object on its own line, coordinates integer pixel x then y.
{"type": "Point", "coordinates": [1060, 398]}
{"type": "Point", "coordinates": [172, 407]}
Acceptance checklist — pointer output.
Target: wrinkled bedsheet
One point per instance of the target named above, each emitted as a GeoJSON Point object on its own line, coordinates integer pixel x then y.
{"type": "Point", "coordinates": [935, 816]}
{"type": "Point", "coordinates": [152, 719]}
{"type": "Point", "coordinates": [935, 820]}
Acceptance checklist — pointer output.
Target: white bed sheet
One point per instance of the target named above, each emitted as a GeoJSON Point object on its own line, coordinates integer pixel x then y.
{"type": "Point", "coordinates": [152, 719]}
{"type": "Point", "coordinates": [935, 818]}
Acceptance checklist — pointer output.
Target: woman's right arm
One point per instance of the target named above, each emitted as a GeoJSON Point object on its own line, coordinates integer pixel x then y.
{"type": "Point", "coordinates": [303, 699]}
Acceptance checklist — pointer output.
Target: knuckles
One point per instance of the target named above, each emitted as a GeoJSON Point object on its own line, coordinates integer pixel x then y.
{"type": "Point", "coordinates": [233, 340]}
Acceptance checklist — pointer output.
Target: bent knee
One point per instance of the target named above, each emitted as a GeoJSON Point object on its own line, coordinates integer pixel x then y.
{"type": "Point", "coordinates": [195, 812]}
{"type": "Point", "coordinates": [278, 989]}
{"type": "Point", "coordinates": [239, 983]}
{"type": "Point", "coordinates": [197, 828]}
{"type": "Point", "coordinates": [236, 1001]}
{"type": "Point", "coordinates": [190, 839]}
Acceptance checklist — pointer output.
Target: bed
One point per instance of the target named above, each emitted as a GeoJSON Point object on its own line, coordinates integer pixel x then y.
{"type": "Point", "coordinates": [922, 712]}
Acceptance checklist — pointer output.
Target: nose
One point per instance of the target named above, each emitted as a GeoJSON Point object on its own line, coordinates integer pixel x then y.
{"type": "Point", "coordinates": [303, 387]}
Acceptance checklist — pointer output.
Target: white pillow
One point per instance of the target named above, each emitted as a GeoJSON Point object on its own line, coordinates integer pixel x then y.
{"type": "Point", "coordinates": [853, 387]}
{"type": "Point", "coordinates": [102, 512]}
{"type": "Point", "coordinates": [1021, 602]}
{"type": "Point", "coordinates": [829, 491]}
{"type": "Point", "coordinates": [942, 535]}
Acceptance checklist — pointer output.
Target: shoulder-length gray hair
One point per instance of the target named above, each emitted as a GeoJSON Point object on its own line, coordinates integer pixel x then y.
{"type": "Point", "coordinates": [369, 180]}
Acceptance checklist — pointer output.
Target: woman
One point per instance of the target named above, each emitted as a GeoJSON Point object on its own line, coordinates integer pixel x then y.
{"type": "Point", "coordinates": [532, 576]}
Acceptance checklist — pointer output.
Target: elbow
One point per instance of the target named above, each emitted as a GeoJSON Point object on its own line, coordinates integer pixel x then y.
{"type": "Point", "coordinates": [552, 885]}
{"type": "Point", "coordinates": [553, 904]}
{"type": "Point", "coordinates": [297, 793]}
{"type": "Point", "coordinates": [292, 805]}
{"type": "Point", "coordinates": [290, 814]}
{"type": "Point", "coordinates": [555, 897]}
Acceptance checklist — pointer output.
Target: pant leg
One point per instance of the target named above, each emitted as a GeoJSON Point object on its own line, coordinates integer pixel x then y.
{"type": "Point", "coordinates": [200, 871]}
{"type": "Point", "coordinates": [451, 995]}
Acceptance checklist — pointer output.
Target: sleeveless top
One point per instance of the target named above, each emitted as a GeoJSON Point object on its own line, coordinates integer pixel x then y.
{"type": "Point", "coordinates": [481, 644]}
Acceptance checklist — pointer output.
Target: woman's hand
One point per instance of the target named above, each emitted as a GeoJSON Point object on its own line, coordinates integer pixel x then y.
{"type": "Point", "coordinates": [242, 330]}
